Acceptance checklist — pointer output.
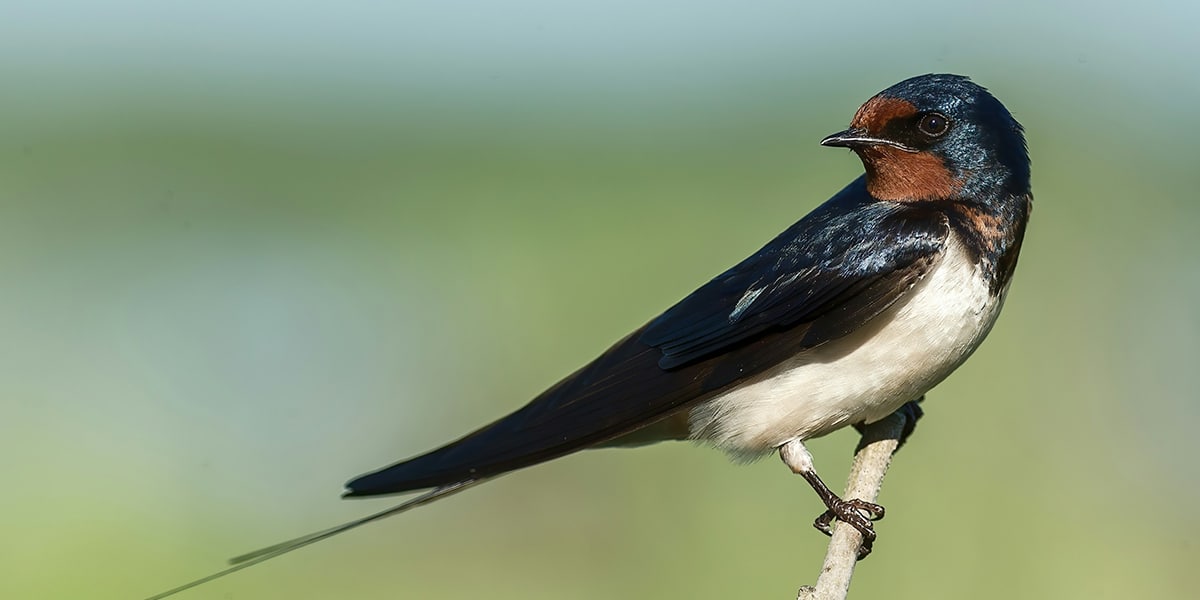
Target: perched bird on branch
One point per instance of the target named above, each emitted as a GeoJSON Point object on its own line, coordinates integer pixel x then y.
{"type": "Point", "coordinates": [854, 311]}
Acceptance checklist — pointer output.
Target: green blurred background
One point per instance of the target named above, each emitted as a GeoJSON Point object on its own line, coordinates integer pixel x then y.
{"type": "Point", "coordinates": [251, 250]}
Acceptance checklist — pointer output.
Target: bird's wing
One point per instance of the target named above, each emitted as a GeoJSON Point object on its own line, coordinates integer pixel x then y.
{"type": "Point", "coordinates": [831, 272]}
{"type": "Point", "coordinates": [824, 277]}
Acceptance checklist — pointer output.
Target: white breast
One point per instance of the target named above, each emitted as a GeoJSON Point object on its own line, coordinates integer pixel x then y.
{"type": "Point", "coordinates": [864, 376]}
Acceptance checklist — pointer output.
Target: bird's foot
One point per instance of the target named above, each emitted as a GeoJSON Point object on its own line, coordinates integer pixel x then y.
{"type": "Point", "coordinates": [912, 413]}
{"type": "Point", "coordinates": [856, 513]}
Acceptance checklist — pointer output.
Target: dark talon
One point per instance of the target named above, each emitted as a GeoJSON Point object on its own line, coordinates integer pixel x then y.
{"type": "Point", "coordinates": [855, 513]}
{"type": "Point", "coordinates": [824, 523]}
{"type": "Point", "coordinates": [864, 549]}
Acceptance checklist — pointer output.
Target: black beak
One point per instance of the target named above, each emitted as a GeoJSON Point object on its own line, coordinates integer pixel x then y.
{"type": "Point", "coordinates": [858, 138]}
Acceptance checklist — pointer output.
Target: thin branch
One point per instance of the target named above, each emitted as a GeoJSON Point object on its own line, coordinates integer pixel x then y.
{"type": "Point", "coordinates": [879, 443]}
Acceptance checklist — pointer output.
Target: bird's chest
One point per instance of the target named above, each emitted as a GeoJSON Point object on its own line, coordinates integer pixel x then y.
{"type": "Point", "coordinates": [864, 376]}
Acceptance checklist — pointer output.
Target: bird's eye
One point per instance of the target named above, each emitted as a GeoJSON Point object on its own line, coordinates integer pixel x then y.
{"type": "Point", "coordinates": [934, 125]}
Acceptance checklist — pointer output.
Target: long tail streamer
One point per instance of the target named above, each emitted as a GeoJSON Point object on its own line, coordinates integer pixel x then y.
{"type": "Point", "coordinates": [253, 558]}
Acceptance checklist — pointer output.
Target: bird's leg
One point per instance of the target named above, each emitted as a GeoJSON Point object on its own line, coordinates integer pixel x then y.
{"type": "Point", "coordinates": [912, 413]}
{"type": "Point", "coordinates": [853, 512]}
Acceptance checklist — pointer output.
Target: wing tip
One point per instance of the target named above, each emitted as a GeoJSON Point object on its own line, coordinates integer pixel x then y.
{"type": "Point", "coordinates": [394, 480]}
{"type": "Point", "coordinates": [363, 486]}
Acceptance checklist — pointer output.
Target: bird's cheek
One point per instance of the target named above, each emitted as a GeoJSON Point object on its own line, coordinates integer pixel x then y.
{"type": "Point", "coordinates": [895, 175]}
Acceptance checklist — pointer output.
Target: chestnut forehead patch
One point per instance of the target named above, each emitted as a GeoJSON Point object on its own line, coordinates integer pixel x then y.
{"type": "Point", "coordinates": [880, 110]}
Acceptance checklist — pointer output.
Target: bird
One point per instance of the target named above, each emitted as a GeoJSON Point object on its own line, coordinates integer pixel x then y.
{"type": "Point", "coordinates": [852, 313]}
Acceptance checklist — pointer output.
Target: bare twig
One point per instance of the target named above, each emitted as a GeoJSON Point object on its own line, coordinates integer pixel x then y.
{"type": "Point", "coordinates": [879, 443]}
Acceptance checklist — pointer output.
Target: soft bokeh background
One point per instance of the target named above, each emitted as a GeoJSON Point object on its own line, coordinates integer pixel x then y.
{"type": "Point", "coordinates": [251, 250]}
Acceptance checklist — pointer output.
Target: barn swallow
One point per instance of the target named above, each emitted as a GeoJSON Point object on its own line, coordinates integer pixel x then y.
{"type": "Point", "coordinates": [857, 309]}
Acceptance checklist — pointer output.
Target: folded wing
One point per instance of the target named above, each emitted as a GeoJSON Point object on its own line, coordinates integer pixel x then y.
{"type": "Point", "coordinates": [825, 276]}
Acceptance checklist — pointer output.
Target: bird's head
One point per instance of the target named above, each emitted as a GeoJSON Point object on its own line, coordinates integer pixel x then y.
{"type": "Point", "coordinates": [937, 137]}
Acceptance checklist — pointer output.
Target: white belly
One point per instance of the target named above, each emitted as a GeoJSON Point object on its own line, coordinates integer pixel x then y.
{"type": "Point", "coordinates": [863, 376]}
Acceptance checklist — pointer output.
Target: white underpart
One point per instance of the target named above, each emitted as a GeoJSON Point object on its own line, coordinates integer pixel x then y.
{"type": "Point", "coordinates": [864, 376]}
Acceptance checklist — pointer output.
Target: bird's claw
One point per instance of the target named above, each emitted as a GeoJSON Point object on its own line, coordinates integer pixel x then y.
{"type": "Point", "coordinates": [855, 513]}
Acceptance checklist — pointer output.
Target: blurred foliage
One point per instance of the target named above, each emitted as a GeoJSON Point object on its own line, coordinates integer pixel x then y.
{"type": "Point", "coordinates": [226, 294]}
